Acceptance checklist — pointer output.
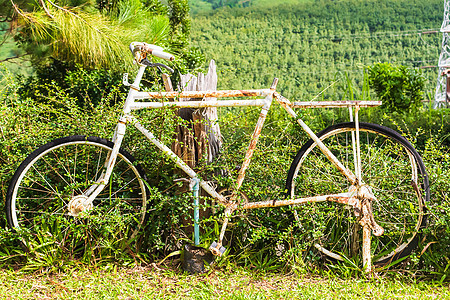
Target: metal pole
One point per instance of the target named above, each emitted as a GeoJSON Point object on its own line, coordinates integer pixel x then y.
{"type": "Point", "coordinates": [355, 159]}
{"type": "Point", "coordinates": [195, 187]}
{"type": "Point", "coordinates": [358, 149]}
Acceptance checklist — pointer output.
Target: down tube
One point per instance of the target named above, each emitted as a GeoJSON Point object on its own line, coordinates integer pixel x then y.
{"type": "Point", "coordinates": [178, 161]}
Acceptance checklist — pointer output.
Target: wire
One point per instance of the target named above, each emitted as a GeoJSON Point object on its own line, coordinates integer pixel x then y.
{"type": "Point", "coordinates": [336, 38]}
{"type": "Point", "coordinates": [348, 68]}
{"type": "Point", "coordinates": [371, 35]}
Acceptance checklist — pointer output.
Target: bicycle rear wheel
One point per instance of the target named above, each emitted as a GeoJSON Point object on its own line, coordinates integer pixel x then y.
{"type": "Point", "coordinates": [398, 179]}
{"type": "Point", "coordinates": [50, 177]}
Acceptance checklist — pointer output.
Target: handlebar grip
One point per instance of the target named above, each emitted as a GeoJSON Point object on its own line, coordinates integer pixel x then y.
{"type": "Point", "coordinates": [162, 54]}
{"type": "Point", "coordinates": [139, 49]}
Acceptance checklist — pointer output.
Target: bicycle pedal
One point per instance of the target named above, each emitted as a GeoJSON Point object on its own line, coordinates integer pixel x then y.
{"type": "Point", "coordinates": [215, 251]}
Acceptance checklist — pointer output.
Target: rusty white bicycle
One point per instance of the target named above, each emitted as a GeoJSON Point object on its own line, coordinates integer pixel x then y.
{"type": "Point", "coordinates": [360, 185]}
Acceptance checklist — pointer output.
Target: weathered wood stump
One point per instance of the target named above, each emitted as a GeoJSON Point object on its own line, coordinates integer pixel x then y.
{"type": "Point", "coordinates": [199, 140]}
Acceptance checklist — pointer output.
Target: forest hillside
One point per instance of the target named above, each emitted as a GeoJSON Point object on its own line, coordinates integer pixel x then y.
{"type": "Point", "coordinates": [311, 44]}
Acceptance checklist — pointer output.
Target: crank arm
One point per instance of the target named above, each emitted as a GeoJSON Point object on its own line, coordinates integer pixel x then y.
{"type": "Point", "coordinates": [216, 248]}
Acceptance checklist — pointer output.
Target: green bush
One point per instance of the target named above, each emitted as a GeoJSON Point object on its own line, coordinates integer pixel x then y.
{"type": "Point", "coordinates": [399, 87]}
{"type": "Point", "coordinates": [266, 239]}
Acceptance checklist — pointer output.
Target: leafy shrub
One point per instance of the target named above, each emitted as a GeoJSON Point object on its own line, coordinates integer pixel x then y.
{"type": "Point", "coordinates": [265, 239]}
{"type": "Point", "coordinates": [399, 87]}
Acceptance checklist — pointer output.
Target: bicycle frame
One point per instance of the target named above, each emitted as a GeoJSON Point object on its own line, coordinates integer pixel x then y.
{"type": "Point", "coordinates": [264, 99]}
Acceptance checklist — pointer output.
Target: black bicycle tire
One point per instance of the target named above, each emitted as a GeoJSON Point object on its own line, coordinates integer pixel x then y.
{"type": "Point", "coordinates": [413, 243]}
{"type": "Point", "coordinates": [55, 144]}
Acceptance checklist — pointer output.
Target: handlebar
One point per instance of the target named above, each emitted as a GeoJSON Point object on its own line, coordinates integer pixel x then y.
{"type": "Point", "coordinates": [157, 65]}
{"type": "Point", "coordinates": [141, 49]}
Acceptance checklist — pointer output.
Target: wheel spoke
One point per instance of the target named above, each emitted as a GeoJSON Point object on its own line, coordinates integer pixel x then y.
{"type": "Point", "coordinates": [66, 168]}
{"type": "Point", "coordinates": [386, 168]}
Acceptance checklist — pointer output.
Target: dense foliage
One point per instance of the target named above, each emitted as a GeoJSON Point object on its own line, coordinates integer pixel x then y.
{"type": "Point", "coordinates": [90, 39]}
{"type": "Point", "coordinates": [231, 3]}
{"type": "Point", "coordinates": [97, 34]}
{"type": "Point", "coordinates": [309, 47]}
{"type": "Point", "coordinates": [400, 88]}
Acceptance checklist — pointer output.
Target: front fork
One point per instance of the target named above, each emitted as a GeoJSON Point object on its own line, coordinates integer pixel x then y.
{"type": "Point", "coordinates": [83, 202]}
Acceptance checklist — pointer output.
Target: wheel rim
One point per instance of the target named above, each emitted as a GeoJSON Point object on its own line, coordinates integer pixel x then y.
{"type": "Point", "coordinates": [62, 172]}
{"type": "Point", "coordinates": [388, 167]}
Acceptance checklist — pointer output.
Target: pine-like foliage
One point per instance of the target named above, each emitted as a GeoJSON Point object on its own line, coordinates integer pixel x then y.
{"type": "Point", "coordinates": [86, 36]}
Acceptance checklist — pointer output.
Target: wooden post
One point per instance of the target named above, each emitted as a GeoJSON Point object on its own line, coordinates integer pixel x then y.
{"type": "Point", "coordinates": [203, 139]}
{"type": "Point", "coordinates": [200, 139]}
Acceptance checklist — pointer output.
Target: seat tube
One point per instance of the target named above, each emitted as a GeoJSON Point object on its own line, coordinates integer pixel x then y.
{"type": "Point", "coordinates": [252, 146]}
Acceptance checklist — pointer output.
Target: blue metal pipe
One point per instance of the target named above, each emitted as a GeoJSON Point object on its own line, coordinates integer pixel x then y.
{"type": "Point", "coordinates": [195, 188]}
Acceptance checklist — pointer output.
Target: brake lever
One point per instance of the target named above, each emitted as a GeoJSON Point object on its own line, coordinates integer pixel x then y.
{"type": "Point", "coordinates": [156, 65]}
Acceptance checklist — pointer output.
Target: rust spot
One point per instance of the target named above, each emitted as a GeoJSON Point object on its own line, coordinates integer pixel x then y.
{"type": "Point", "coordinates": [342, 200]}
{"type": "Point", "coordinates": [277, 203]}
{"type": "Point", "coordinates": [209, 94]}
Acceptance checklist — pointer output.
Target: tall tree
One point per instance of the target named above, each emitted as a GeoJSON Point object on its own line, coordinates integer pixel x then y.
{"type": "Point", "coordinates": [97, 32]}
{"type": "Point", "coordinates": [91, 36]}
{"type": "Point", "coordinates": [86, 32]}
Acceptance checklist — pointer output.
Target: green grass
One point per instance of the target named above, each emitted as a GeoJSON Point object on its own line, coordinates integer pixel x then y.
{"type": "Point", "coordinates": [233, 283]}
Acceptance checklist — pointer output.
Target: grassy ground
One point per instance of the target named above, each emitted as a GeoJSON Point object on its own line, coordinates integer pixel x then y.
{"type": "Point", "coordinates": [235, 283]}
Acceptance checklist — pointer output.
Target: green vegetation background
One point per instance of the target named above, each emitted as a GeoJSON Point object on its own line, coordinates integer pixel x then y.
{"type": "Point", "coordinates": [320, 49]}
{"type": "Point", "coordinates": [312, 46]}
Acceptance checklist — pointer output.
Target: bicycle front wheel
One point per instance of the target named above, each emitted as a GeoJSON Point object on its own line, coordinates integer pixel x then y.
{"type": "Point", "coordinates": [50, 177]}
{"type": "Point", "coordinates": [398, 179]}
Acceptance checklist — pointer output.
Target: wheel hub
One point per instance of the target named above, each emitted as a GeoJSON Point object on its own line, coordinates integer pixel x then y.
{"type": "Point", "coordinates": [79, 204]}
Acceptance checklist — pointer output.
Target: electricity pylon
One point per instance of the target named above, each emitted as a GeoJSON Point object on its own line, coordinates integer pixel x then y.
{"type": "Point", "coordinates": [441, 98]}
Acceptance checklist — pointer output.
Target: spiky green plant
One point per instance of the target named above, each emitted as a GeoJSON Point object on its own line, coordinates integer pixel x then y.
{"type": "Point", "coordinates": [87, 36]}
